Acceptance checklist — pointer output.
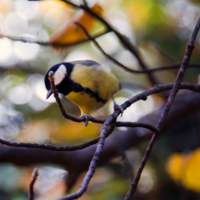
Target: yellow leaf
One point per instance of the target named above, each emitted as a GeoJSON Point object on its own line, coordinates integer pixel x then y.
{"type": "Point", "coordinates": [184, 168]}
{"type": "Point", "coordinates": [71, 32]}
{"type": "Point", "coordinates": [60, 132]}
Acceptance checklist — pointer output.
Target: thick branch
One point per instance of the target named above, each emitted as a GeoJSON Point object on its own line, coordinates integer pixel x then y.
{"type": "Point", "coordinates": [119, 140]}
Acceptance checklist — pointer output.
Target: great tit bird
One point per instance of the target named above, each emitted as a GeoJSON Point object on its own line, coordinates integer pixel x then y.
{"type": "Point", "coordinates": [85, 82]}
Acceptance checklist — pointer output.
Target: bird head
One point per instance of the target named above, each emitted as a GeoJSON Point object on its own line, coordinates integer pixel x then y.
{"type": "Point", "coordinates": [62, 80]}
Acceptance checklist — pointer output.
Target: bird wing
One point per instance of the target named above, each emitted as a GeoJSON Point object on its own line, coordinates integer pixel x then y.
{"type": "Point", "coordinates": [96, 77]}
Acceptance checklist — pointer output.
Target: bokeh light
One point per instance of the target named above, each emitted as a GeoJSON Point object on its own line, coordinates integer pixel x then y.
{"type": "Point", "coordinates": [79, 55]}
{"type": "Point", "coordinates": [26, 51]}
{"type": "Point", "coordinates": [27, 10]}
{"type": "Point", "coordinates": [20, 94]}
{"type": "Point", "coordinates": [36, 82]}
{"type": "Point", "coordinates": [147, 180]}
{"type": "Point", "coordinates": [48, 178]}
{"type": "Point", "coordinates": [15, 24]}
{"type": "Point", "coordinates": [168, 24]}
{"type": "Point", "coordinates": [10, 121]}
{"type": "Point", "coordinates": [110, 39]}
{"type": "Point", "coordinates": [7, 52]}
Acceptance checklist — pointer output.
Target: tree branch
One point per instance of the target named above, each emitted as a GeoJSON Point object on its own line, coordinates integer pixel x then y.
{"type": "Point", "coordinates": [160, 124]}
{"type": "Point", "coordinates": [125, 105]}
{"type": "Point", "coordinates": [123, 39]}
{"type": "Point", "coordinates": [140, 96]}
{"type": "Point", "coordinates": [106, 55]}
{"type": "Point", "coordinates": [118, 140]}
{"type": "Point", "coordinates": [30, 40]}
{"type": "Point", "coordinates": [31, 186]}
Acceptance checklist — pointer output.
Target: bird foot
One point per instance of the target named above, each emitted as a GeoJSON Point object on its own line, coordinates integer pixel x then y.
{"type": "Point", "coordinates": [86, 119]}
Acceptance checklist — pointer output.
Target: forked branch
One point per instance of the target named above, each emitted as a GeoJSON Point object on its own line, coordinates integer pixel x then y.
{"type": "Point", "coordinates": [159, 126]}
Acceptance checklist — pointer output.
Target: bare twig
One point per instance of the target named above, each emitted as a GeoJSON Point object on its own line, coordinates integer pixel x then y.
{"type": "Point", "coordinates": [95, 158]}
{"type": "Point", "coordinates": [125, 105]}
{"type": "Point", "coordinates": [169, 67]}
{"type": "Point", "coordinates": [186, 60]}
{"type": "Point", "coordinates": [140, 96]}
{"type": "Point", "coordinates": [107, 55]}
{"type": "Point", "coordinates": [55, 44]}
{"type": "Point", "coordinates": [85, 3]}
{"type": "Point", "coordinates": [124, 40]}
{"type": "Point", "coordinates": [27, 69]}
{"type": "Point", "coordinates": [119, 139]}
{"type": "Point", "coordinates": [31, 186]}
{"type": "Point", "coordinates": [113, 59]}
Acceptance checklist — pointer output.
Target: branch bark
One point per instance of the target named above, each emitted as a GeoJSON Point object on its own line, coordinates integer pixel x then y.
{"type": "Point", "coordinates": [118, 140]}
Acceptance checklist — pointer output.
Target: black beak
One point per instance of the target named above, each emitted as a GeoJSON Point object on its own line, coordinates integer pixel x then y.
{"type": "Point", "coordinates": [49, 93]}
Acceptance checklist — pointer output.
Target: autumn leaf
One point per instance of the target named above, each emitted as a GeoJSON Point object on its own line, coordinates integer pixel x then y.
{"type": "Point", "coordinates": [71, 32]}
{"type": "Point", "coordinates": [184, 169]}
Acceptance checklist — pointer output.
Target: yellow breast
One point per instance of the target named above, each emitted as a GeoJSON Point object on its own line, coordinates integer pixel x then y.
{"type": "Point", "coordinates": [98, 79]}
{"type": "Point", "coordinates": [86, 103]}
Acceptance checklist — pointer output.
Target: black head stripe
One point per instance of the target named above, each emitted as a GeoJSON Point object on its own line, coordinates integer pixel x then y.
{"type": "Point", "coordinates": [69, 67]}
{"type": "Point", "coordinates": [67, 85]}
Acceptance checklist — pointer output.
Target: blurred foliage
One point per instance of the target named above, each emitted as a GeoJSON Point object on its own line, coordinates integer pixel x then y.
{"type": "Point", "coordinates": [184, 168]}
{"type": "Point", "coordinates": [25, 114]}
{"type": "Point", "coordinates": [71, 32]}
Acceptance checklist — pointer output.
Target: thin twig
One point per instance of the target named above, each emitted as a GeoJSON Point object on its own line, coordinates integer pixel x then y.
{"type": "Point", "coordinates": [186, 60]}
{"type": "Point", "coordinates": [140, 96]}
{"type": "Point", "coordinates": [125, 105]}
{"type": "Point", "coordinates": [110, 57]}
{"type": "Point", "coordinates": [60, 148]}
{"type": "Point", "coordinates": [70, 160]}
{"type": "Point", "coordinates": [27, 69]}
{"type": "Point", "coordinates": [100, 48]}
{"type": "Point", "coordinates": [31, 186]}
{"type": "Point", "coordinates": [92, 38]}
{"type": "Point", "coordinates": [95, 158]}
{"type": "Point", "coordinates": [85, 3]}
{"type": "Point", "coordinates": [124, 40]}
{"type": "Point", "coordinates": [169, 67]}
{"type": "Point", "coordinates": [55, 44]}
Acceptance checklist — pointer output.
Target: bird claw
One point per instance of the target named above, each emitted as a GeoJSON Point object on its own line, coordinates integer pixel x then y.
{"type": "Point", "coordinates": [118, 107]}
{"type": "Point", "coordinates": [86, 119]}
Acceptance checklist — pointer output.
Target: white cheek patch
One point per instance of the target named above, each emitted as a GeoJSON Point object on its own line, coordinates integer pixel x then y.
{"type": "Point", "coordinates": [60, 74]}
